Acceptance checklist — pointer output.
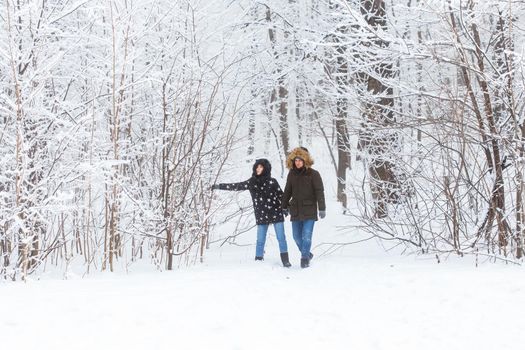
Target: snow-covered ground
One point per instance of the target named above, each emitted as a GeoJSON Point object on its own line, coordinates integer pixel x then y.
{"type": "Point", "coordinates": [356, 298]}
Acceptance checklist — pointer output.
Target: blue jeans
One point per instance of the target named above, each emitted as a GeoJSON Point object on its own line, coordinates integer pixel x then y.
{"type": "Point", "coordinates": [261, 238]}
{"type": "Point", "coordinates": [302, 235]}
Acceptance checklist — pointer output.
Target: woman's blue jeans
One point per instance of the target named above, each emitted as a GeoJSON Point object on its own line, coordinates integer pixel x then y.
{"type": "Point", "coordinates": [302, 235]}
{"type": "Point", "coordinates": [261, 238]}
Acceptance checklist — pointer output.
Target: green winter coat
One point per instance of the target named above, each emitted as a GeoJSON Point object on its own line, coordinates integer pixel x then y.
{"type": "Point", "coordinates": [304, 191]}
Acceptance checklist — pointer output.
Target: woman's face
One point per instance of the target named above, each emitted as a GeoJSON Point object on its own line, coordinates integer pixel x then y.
{"type": "Point", "coordinates": [299, 163]}
{"type": "Point", "coordinates": [259, 169]}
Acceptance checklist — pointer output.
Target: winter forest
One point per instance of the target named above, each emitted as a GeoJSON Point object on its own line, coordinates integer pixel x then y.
{"type": "Point", "coordinates": [117, 117]}
{"type": "Point", "coordinates": [122, 120]}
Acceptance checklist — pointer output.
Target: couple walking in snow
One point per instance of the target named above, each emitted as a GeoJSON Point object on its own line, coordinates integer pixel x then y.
{"type": "Point", "coordinates": [303, 196]}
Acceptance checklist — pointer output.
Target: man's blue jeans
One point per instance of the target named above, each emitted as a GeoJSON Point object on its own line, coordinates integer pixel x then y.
{"type": "Point", "coordinates": [261, 238]}
{"type": "Point", "coordinates": [302, 235]}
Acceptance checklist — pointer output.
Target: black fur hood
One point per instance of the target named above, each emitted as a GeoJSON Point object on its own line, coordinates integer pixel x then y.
{"type": "Point", "coordinates": [267, 172]}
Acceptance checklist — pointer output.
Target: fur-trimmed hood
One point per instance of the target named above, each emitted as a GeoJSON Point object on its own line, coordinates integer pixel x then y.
{"type": "Point", "coordinates": [302, 153]}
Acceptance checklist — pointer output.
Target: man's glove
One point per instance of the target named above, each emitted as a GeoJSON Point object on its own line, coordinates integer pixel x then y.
{"type": "Point", "coordinates": [286, 212]}
{"type": "Point", "coordinates": [214, 187]}
{"type": "Point", "coordinates": [322, 214]}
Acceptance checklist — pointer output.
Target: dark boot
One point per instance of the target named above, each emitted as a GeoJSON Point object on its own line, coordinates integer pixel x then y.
{"type": "Point", "coordinates": [311, 256]}
{"type": "Point", "coordinates": [285, 260]}
{"type": "Point", "coordinates": [305, 262]}
{"type": "Point", "coordinates": [259, 258]}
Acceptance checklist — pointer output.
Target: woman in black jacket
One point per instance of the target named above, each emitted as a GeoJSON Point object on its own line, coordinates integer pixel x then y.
{"type": "Point", "coordinates": [266, 197]}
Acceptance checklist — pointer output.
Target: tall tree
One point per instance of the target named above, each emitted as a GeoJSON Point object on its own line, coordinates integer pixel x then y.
{"type": "Point", "coordinates": [378, 115]}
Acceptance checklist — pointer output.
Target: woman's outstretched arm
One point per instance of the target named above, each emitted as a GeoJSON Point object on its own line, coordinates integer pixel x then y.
{"type": "Point", "coordinates": [236, 186]}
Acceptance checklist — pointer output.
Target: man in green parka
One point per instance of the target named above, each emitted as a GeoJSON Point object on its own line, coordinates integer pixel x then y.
{"type": "Point", "coordinates": [303, 197]}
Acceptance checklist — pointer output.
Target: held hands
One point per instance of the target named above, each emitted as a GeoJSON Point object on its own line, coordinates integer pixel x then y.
{"type": "Point", "coordinates": [286, 212]}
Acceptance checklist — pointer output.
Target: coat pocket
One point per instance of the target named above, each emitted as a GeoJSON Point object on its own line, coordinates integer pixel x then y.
{"type": "Point", "coordinates": [309, 208]}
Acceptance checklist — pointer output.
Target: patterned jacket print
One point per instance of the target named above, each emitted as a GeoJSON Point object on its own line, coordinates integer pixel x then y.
{"type": "Point", "coordinates": [265, 191]}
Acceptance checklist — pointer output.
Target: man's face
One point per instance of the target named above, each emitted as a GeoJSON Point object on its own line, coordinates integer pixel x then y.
{"type": "Point", "coordinates": [299, 163]}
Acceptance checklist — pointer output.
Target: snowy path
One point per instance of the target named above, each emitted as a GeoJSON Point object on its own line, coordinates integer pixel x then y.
{"type": "Point", "coordinates": [354, 299]}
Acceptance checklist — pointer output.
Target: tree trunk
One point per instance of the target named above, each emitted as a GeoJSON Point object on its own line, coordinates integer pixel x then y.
{"type": "Point", "coordinates": [379, 116]}
{"type": "Point", "coordinates": [282, 90]}
{"type": "Point", "coordinates": [340, 69]}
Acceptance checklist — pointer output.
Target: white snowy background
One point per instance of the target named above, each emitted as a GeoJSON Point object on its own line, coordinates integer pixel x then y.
{"type": "Point", "coordinates": [117, 116]}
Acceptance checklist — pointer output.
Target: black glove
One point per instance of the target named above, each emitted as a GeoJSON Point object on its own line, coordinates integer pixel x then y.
{"type": "Point", "coordinates": [214, 187]}
{"type": "Point", "coordinates": [322, 214]}
{"type": "Point", "coordinates": [286, 212]}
